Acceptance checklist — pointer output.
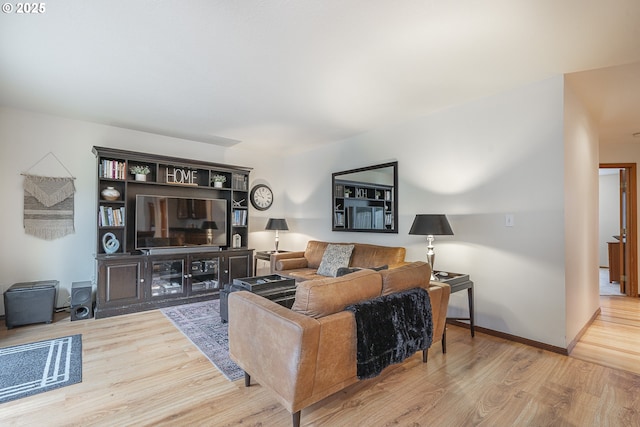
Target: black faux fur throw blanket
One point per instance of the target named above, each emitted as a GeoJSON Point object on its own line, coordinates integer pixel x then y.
{"type": "Point", "coordinates": [391, 328]}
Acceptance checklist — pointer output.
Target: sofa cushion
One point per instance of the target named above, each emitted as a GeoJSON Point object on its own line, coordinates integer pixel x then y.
{"type": "Point", "coordinates": [321, 297]}
{"type": "Point", "coordinates": [334, 257]}
{"type": "Point", "coordinates": [363, 256]}
{"type": "Point", "coordinates": [412, 275]}
{"type": "Point", "coordinates": [366, 255]}
{"type": "Point", "coordinates": [314, 252]}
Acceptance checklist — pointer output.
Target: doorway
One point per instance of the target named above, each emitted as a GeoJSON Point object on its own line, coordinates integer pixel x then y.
{"type": "Point", "coordinates": [622, 246]}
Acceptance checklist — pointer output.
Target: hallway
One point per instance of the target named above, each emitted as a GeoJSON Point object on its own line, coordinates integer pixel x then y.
{"type": "Point", "coordinates": [606, 287]}
{"type": "Point", "coordinates": [613, 339]}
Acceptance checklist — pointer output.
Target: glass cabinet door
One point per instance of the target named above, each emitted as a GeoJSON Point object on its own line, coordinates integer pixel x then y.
{"type": "Point", "coordinates": [204, 274]}
{"type": "Point", "coordinates": [167, 277]}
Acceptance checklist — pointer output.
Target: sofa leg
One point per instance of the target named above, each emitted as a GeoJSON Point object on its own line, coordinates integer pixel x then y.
{"type": "Point", "coordinates": [444, 340]}
{"type": "Point", "coordinates": [247, 379]}
{"type": "Point", "coordinates": [295, 417]}
{"type": "Point", "coordinates": [425, 355]}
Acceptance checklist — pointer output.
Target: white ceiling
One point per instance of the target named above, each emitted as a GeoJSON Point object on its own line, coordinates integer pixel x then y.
{"type": "Point", "coordinates": [612, 95]}
{"type": "Point", "coordinates": [282, 74]}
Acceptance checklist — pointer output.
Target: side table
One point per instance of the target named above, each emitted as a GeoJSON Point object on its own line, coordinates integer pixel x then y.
{"type": "Point", "coordinates": [459, 282]}
{"type": "Point", "coordinates": [264, 256]}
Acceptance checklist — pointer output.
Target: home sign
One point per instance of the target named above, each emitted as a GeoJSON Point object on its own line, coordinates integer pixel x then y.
{"type": "Point", "coordinates": [182, 176]}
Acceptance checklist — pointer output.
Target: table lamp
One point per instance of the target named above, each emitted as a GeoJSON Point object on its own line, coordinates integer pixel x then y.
{"type": "Point", "coordinates": [208, 227]}
{"type": "Point", "coordinates": [431, 225]}
{"type": "Point", "coordinates": [276, 224]}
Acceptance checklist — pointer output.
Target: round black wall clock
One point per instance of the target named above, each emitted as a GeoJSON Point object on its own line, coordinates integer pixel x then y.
{"type": "Point", "coordinates": [261, 197]}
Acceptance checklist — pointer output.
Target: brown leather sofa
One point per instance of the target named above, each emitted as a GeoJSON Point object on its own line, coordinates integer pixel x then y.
{"type": "Point", "coordinates": [308, 352]}
{"type": "Point", "coordinates": [303, 265]}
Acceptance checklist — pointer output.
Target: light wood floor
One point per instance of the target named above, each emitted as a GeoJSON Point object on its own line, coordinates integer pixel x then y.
{"type": "Point", "coordinates": [613, 339]}
{"type": "Point", "coordinates": [138, 370]}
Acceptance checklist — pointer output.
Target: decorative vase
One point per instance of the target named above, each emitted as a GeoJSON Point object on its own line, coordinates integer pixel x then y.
{"type": "Point", "coordinates": [141, 177]}
{"type": "Point", "coordinates": [217, 184]}
{"type": "Point", "coordinates": [110, 193]}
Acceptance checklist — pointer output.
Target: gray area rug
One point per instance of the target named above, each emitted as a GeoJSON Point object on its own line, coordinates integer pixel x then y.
{"type": "Point", "coordinates": [200, 322]}
{"type": "Point", "coordinates": [29, 369]}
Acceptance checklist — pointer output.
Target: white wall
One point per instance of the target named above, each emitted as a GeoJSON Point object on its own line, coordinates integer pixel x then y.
{"type": "Point", "coordinates": [581, 216]}
{"type": "Point", "coordinates": [475, 163]}
{"type": "Point", "coordinates": [609, 211]}
{"type": "Point", "coordinates": [25, 138]}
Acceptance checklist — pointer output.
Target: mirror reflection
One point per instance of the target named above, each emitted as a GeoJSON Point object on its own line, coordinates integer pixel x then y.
{"type": "Point", "coordinates": [366, 199]}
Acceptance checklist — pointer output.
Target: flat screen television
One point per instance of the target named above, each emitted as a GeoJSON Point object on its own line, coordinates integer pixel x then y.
{"type": "Point", "coordinates": [164, 222]}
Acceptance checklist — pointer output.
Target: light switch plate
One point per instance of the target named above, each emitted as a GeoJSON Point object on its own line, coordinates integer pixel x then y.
{"type": "Point", "coordinates": [509, 220]}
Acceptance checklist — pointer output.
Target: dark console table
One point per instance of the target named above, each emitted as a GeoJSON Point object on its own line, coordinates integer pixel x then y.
{"type": "Point", "coordinates": [459, 282]}
{"type": "Point", "coordinates": [279, 289]}
{"type": "Point", "coordinates": [264, 256]}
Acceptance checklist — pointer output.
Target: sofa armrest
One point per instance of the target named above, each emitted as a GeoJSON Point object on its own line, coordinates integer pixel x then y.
{"type": "Point", "coordinates": [276, 346]}
{"type": "Point", "coordinates": [274, 259]}
{"type": "Point", "coordinates": [291, 264]}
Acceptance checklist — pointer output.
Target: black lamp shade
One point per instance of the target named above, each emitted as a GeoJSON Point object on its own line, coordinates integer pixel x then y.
{"type": "Point", "coordinates": [209, 225]}
{"type": "Point", "coordinates": [431, 225]}
{"type": "Point", "coordinates": [276, 224]}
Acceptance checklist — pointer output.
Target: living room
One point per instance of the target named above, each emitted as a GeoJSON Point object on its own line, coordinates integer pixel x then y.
{"type": "Point", "coordinates": [530, 150]}
{"type": "Point", "coordinates": [506, 148]}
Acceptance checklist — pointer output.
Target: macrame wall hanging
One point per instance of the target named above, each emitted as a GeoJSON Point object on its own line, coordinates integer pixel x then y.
{"type": "Point", "coordinates": [48, 203]}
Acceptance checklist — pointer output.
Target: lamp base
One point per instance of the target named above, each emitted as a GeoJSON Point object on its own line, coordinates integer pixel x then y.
{"type": "Point", "coordinates": [431, 255]}
{"type": "Point", "coordinates": [433, 276]}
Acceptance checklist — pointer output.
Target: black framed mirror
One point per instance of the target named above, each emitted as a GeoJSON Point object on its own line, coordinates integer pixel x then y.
{"type": "Point", "coordinates": [366, 199]}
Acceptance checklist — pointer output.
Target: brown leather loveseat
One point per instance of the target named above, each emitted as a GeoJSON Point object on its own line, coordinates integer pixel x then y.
{"type": "Point", "coordinates": [308, 352]}
{"type": "Point", "coordinates": [303, 265]}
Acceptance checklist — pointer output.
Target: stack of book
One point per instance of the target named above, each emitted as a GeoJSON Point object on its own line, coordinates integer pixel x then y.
{"type": "Point", "coordinates": [112, 169]}
{"type": "Point", "coordinates": [111, 217]}
{"type": "Point", "coordinates": [240, 217]}
{"type": "Point", "coordinates": [239, 182]}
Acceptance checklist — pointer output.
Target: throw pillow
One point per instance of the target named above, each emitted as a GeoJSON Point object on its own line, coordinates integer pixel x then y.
{"type": "Point", "coordinates": [334, 257]}
{"type": "Point", "coordinates": [346, 270]}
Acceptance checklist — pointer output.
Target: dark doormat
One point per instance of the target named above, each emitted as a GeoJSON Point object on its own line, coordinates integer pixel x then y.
{"type": "Point", "coordinates": [33, 368]}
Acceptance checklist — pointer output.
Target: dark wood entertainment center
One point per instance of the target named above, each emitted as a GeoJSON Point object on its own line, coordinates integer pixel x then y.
{"type": "Point", "coordinates": [131, 280]}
